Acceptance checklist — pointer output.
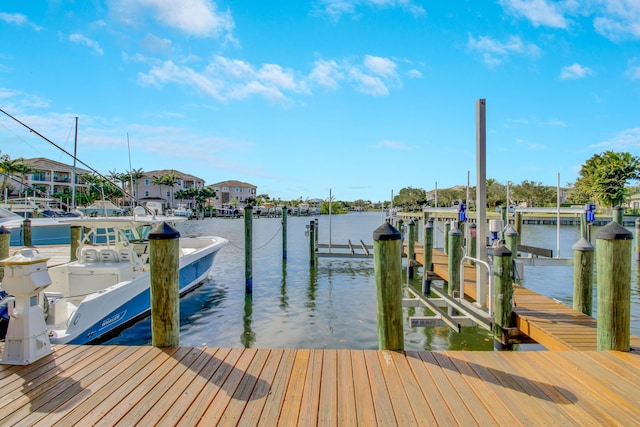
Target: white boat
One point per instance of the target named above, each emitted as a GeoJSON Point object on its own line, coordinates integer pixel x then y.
{"type": "Point", "coordinates": [108, 287]}
{"type": "Point", "coordinates": [182, 210]}
{"type": "Point", "coordinates": [44, 231]}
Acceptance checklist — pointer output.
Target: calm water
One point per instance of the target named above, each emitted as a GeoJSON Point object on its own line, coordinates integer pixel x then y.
{"type": "Point", "coordinates": [330, 306]}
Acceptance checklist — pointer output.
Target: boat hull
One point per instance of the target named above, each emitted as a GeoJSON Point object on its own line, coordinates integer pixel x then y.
{"type": "Point", "coordinates": [106, 313]}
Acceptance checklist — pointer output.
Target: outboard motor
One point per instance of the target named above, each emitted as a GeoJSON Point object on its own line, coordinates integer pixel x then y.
{"type": "Point", "coordinates": [25, 277]}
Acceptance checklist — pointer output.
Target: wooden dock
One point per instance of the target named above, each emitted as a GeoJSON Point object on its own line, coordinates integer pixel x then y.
{"type": "Point", "coordinates": [116, 385]}
{"type": "Point", "coordinates": [551, 324]}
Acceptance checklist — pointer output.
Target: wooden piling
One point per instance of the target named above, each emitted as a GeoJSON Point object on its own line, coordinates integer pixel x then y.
{"type": "Point", "coordinates": [248, 249]}
{"type": "Point", "coordinates": [518, 226]}
{"type": "Point", "coordinates": [428, 257]}
{"type": "Point", "coordinates": [284, 233]}
{"type": "Point", "coordinates": [511, 242]}
{"type": "Point", "coordinates": [583, 276]}
{"type": "Point", "coordinates": [312, 245]}
{"type": "Point", "coordinates": [473, 241]}
{"type": "Point", "coordinates": [164, 246]}
{"type": "Point", "coordinates": [411, 243]}
{"type": "Point", "coordinates": [613, 266]}
{"type": "Point", "coordinates": [617, 214]}
{"type": "Point", "coordinates": [76, 237]}
{"type": "Point", "coordinates": [445, 247]}
{"type": "Point", "coordinates": [26, 232]}
{"type": "Point", "coordinates": [502, 297]}
{"type": "Point", "coordinates": [387, 245]}
{"type": "Point", "coordinates": [5, 242]}
{"type": "Point", "coordinates": [454, 259]}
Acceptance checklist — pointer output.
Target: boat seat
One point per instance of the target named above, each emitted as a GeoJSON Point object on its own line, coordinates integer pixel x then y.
{"type": "Point", "coordinates": [124, 255]}
{"type": "Point", "coordinates": [108, 255]}
{"type": "Point", "coordinates": [89, 256]}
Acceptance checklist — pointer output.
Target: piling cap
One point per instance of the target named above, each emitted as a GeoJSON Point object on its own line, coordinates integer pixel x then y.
{"type": "Point", "coordinates": [4, 230]}
{"type": "Point", "coordinates": [583, 245]}
{"type": "Point", "coordinates": [613, 231]}
{"type": "Point", "coordinates": [386, 232]}
{"type": "Point", "coordinates": [510, 231]}
{"type": "Point", "coordinates": [454, 231]}
{"type": "Point", "coordinates": [501, 251]}
{"type": "Point", "coordinates": [163, 231]}
{"type": "Point", "coordinates": [429, 223]}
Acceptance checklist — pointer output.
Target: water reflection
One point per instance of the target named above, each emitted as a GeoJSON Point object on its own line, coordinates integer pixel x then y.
{"type": "Point", "coordinates": [248, 337]}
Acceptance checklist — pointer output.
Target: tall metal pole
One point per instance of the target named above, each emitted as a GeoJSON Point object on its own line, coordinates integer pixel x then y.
{"type": "Point", "coordinates": [73, 179]}
{"type": "Point", "coordinates": [481, 197]}
{"type": "Point", "coordinates": [130, 174]}
{"type": "Point", "coordinates": [558, 218]}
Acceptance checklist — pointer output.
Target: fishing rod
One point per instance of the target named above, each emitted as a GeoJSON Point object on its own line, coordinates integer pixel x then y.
{"type": "Point", "coordinates": [75, 158]}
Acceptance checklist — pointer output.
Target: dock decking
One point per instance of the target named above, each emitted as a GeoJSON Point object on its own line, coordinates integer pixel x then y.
{"type": "Point", "coordinates": [115, 385]}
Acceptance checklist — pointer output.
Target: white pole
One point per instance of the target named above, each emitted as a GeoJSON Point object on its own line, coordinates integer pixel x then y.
{"type": "Point", "coordinates": [73, 175]}
{"type": "Point", "coordinates": [481, 198]}
{"type": "Point", "coordinates": [130, 174]}
{"type": "Point", "coordinates": [558, 218]}
{"type": "Point", "coordinates": [330, 197]}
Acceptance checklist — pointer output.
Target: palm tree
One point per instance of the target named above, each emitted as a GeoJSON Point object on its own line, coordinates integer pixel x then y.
{"type": "Point", "coordinates": [115, 176]}
{"type": "Point", "coordinates": [14, 167]}
{"type": "Point", "coordinates": [159, 181]}
{"type": "Point", "coordinates": [135, 175]}
{"type": "Point", "coordinates": [171, 179]}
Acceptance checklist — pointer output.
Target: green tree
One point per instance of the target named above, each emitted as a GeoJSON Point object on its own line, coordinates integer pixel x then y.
{"type": "Point", "coordinates": [496, 193]}
{"type": "Point", "coordinates": [533, 193]}
{"type": "Point", "coordinates": [410, 198]}
{"type": "Point", "coordinates": [603, 177]}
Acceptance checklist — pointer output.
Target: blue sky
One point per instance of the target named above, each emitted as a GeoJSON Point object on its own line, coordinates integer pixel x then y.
{"type": "Point", "coordinates": [363, 97]}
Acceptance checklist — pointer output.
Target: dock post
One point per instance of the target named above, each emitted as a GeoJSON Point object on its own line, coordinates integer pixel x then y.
{"type": "Point", "coordinates": [284, 233]}
{"type": "Point", "coordinates": [455, 257]}
{"type": "Point", "coordinates": [447, 227]}
{"type": "Point", "coordinates": [518, 226]}
{"type": "Point", "coordinates": [502, 297]}
{"type": "Point", "coordinates": [583, 276]}
{"type": "Point", "coordinates": [637, 239]}
{"type": "Point", "coordinates": [387, 245]}
{"type": "Point", "coordinates": [583, 226]}
{"type": "Point", "coordinates": [26, 232]}
{"type": "Point", "coordinates": [248, 249]}
{"type": "Point", "coordinates": [613, 266]}
{"type": "Point", "coordinates": [617, 214]}
{"type": "Point", "coordinates": [511, 242]}
{"type": "Point", "coordinates": [312, 246]}
{"type": "Point", "coordinates": [428, 257]}
{"type": "Point", "coordinates": [76, 236]}
{"type": "Point", "coordinates": [5, 242]}
{"type": "Point", "coordinates": [164, 245]}
{"type": "Point", "coordinates": [473, 229]}
{"type": "Point", "coordinates": [411, 245]}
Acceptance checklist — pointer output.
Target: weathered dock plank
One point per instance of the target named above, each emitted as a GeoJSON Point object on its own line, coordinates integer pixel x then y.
{"type": "Point", "coordinates": [116, 385]}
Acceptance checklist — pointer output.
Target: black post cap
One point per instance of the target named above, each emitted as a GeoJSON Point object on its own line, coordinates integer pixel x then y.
{"type": "Point", "coordinates": [386, 232]}
{"type": "Point", "coordinates": [613, 231]}
{"type": "Point", "coordinates": [163, 231]}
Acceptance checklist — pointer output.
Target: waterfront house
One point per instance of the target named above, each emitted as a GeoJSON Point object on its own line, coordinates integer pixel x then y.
{"type": "Point", "coordinates": [232, 193]}
{"type": "Point", "coordinates": [162, 186]}
{"type": "Point", "coordinates": [50, 177]}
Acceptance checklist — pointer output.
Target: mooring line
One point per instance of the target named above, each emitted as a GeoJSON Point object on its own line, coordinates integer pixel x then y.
{"type": "Point", "coordinates": [260, 247]}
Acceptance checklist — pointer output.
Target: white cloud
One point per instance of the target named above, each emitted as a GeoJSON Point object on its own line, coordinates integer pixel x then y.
{"type": "Point", "coordinates": [82, 40]}
{"type": "Point", "coordinates": [539, 12]}
{"type": "Point", "coordinates": [495, 52]}
{"type": "Point", "coordinates": [619, 20]}
{"type": "Point", "coordinates": [227, 78]}
{"type": "Point", "coordinates": [18, 19]}
{"type": "Point", "coordinates": [199, 18]}
{"type": "Point", "coordinates": [337, 8]}
{"type": "Point", "coordinates": [156, 44]}
{"type": "Point", "coordinates": [327, 74]}
{"type": "Point", "coordinates": [414, 74]}
{"type": "Point", "coordinates": [381, 66]}
{"type": "Point", "coordinates": [367, 84]}
{"type": "Point", "coordinates": [626, 140]}
{"type": "Point", "coordinates": [575, 71]}
{"type": "Point", "coordinates": [633, 72]}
